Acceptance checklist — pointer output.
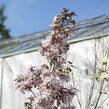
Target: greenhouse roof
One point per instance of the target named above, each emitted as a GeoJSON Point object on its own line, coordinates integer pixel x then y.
{"type": "Point", "coordinates": [83, 30]}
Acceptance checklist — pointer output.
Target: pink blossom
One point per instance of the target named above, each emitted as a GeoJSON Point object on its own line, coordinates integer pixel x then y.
{"type": "Point", "coordinates": [22, 84]}
{"type": "Point", "coordinates": [67, 107]}
{"type": "Point", "coordinates": [46, 103]}
{"type": "Point", "coordinates": [45, 71]}
{"type": "Point", "coordinates": [48, 79]}
{"type": "Point", "coordinates": [33, 76]}
{"type": "Point", "coordinates": [49, 50]}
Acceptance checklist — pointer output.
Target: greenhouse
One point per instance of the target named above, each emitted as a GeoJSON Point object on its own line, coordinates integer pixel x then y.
{"type": "Point", "coordinates": [89, 48]}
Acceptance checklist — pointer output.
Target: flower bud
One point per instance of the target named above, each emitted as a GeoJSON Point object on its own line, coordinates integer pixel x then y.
{"type": "Point", "coordinates": [104, 61]}
{"type": "Point", "coordinates": [67, 30]}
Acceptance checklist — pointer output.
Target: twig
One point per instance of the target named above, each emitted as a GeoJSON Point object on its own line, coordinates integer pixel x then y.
{"type": "Point", "coordinates": [33, 93]}
{"type": "Point", "coordinates": [104, 101]}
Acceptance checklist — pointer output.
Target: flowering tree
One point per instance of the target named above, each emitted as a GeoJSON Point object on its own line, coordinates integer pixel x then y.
{"type": "Point", "coordinates": [98, 95]}
{"type": "Point", "coordinates": [48, 87]}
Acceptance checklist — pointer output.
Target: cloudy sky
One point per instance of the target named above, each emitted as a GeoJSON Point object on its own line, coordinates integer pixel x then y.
{"type": "Point", "coordinates": [29, 16]}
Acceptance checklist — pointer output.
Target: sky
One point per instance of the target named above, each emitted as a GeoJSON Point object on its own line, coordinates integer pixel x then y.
{"type": "Point", "coordinates": [29, 16]}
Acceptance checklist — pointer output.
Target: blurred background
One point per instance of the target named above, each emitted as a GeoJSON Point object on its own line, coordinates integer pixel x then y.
{"type": "Point", "coordinates": [22, 17]}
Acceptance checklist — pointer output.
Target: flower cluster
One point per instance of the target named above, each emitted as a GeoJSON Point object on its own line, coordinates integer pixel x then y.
{"type": "Point", "coordinates": [32, 79]}
{"type": "Point", "coordinates": [56, 48]}
{"type": "Point", "coordinates": [102, 73]}
{"type": "Point", "coordinates": [49, 79]}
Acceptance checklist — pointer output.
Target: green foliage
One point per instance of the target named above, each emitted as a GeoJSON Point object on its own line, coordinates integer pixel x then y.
{"type": "Point", "coordinates": [4, 32]}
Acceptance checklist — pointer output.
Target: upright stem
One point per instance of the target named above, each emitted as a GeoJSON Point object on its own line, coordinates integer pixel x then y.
{"type": "Point", "coordinates": [90, 96]}
{"type": "Point", "coordinates": [76, 94]}
{"type": "Point", "coordinates": [93, 82]}
{"type": "Point", "coordinates": [99, 96]}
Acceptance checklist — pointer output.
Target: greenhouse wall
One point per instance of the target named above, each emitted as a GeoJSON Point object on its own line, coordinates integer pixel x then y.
{"type": "Point", "coordinates": [82, 56]}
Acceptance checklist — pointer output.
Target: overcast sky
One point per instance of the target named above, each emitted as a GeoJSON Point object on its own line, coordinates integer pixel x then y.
{"type": "Point", "coordinates": [29, 16]}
